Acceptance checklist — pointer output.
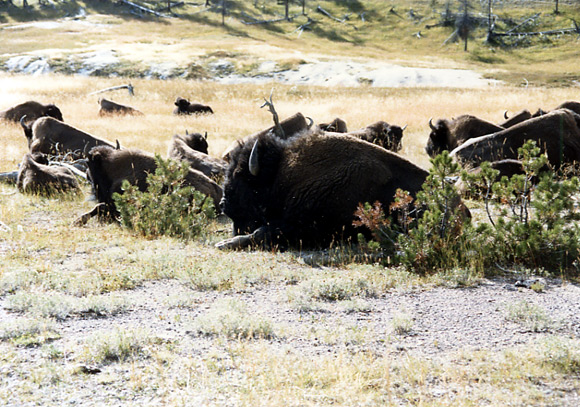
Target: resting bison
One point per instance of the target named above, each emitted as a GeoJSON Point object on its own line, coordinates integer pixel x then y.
{"type": "Point", "coordinates": [519, 117]}
{"type": "Point", "coordinates": [32, 110]}
{"type": "Point", "coordinates": [50, 136]}
{"type": "Point", "coordinates": [572, 105]}
{"type": "Point", "coordinates": [36, 176]}
{"type": "Point", "coordinates": [336, 126]}
{"type": "Point", "coordinates": [303, 191]}
{"type": "Point", "coordinates": [109, 108]}
{"type": "Point", "coordinates": [180, 149]}
{"type": "Point", "coordinates": [184, 107]}
{"type": "Point", "coordinates": [381, 134]}
{"type": "Point", "coordinates": [109, 167]}
{"type": "Point", "coordinates": [448, 134]}
{"type": "Point", "coordinates": [556, 133]}
{"type": "Point", "coordinates": [291, 127]}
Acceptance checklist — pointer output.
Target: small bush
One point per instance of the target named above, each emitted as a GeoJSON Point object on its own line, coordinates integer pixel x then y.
{"type": "Point", "coordinates": [167, 207]}
{"type": "Point", "coordinates": [117, 345]}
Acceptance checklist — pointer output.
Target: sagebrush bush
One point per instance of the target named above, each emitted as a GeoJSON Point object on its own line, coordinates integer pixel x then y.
{"type": "Point", "coordinates": [168, 207]}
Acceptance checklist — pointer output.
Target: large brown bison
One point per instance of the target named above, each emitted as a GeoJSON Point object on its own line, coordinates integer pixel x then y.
{"type": "Point", "coordinates": [448, 134]}
{"type": "Point", "coordinates": [110, 108]}
{"type": "Point", "coordinates": [303, 191]}
{"type": "Point", "coordinates": [557, 133]}
{"type": "Point", "coordinates": [180, 149]}
{"type": "Point", "coordinates": [109, 167]}
{"type": "Point", "coordinates": [32, 110]}
{"type": "Point", "coordinates": [185, 107]}
{"type": "Point", "coordinates": [292, 126]}
{"type": "Point", "coordinates": [50, 136]}
{"type": "Point", "coordinates": [382, 134]}
{"type": "Point", "coordinates": [36, 176]}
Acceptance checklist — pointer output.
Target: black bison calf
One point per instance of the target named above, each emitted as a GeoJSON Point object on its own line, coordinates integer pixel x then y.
{"type": "Point", "coordinates": [185, 107]}
{"type": "Point", "coordinates": [303, 191]}
{"type": "Point", "coordinates": [50, 136]}
{"type": "Point", "coordinates": [183, 148]}
{"type": "Point", "coordinates": [36, 176]}
{"type": "Point", "coordinates": [109, 167]}
{"type": "Point", "coordinates": [336, 126]}
{"type": "Point", "coordinates": [32, 110]}
{"type": "Point", "coordinates": [110, 108]}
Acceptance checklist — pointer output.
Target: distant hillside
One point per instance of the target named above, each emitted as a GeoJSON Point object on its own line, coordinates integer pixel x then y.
{"type": "Point", "coordinates": [148, 39]}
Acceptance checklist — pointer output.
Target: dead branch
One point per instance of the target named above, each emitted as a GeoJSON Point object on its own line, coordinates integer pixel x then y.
{"type": "Point", "coordinates": [4, 227]}
{"type": "Point", "coordinates": [9, 177]}
{"type": "Point", "coordinates": [144, 9]}
{"type": "Point", "coordinates": [71, 168]}
{"type": "Point", "coordinates": [278, 130]}
{"type": "Point", "coordinates": [327, 14]}
{"type": "Point", "coordinates": [129, 87]}
{"type": "Point", "coordinates": [524, 22]}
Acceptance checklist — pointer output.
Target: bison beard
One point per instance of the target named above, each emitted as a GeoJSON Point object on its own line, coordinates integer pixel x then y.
{"type": "Point", "coordinates": [303, 192]}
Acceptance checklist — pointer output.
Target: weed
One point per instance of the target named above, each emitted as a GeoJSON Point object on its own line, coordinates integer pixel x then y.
{"type": "Point", "coordinates": [28, 331]}
{"type": "Point", "coordinates": [230, 319]}
{"type": "Point", "coordinates": [529, 315]}
{"type": "Point", "coordinates": [402, 323]}
{"type": "Point", "coordinates": [117, 345]}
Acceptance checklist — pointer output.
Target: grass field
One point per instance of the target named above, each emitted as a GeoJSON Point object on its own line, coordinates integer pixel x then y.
{"type": "Point", "coordinates": [95, 315]}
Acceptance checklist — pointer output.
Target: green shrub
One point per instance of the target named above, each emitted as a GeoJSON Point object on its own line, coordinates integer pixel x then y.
{"type": "Point", "coordinates": [167, 207]}
{"type": "Point", "coordinates": [532, 216]}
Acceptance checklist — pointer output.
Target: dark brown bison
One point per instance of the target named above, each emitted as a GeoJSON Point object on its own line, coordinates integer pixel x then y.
{"type": "Point", "coordinates": [110, 108]}
{"type": "Point", "coordinates": [185, 107]}
{"type": "Point", "coordinates": [448, 134]}
{"type": "Point", "coordinates": [50, 136]}
{"type": "Point", "coordinates": [109, 167]}
{"type": "Point", "coordinates": [515, 119]}
{"type": "Point", "coordinates": [557, 133]}
{"type": "Point", "coordinates": [382, 134]}
{"type": "Point", "coordinates": [195, 141]}
{"type": "Point", "coordinates": [32, 110]}
{"type": "Point", "coordinates": [180, 150]}
{"type": "Point", "coordinates": [303, 191]}
{"type": "Point", "coordinates": [336, 126]}
{"type": "Point", "coordinates": [572, 105]}
{"type": "Point", "coordinates": [36, 176]}
{"type": "Point", "coordinates": [291, 127]}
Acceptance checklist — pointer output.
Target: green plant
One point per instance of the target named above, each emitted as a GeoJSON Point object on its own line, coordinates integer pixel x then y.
{"type": "Point", "coordinates": [529, 315]}
{"type": "Point", "coordinates": [167, 207]}
{"type": "Point", "coordinates": [532, 215]}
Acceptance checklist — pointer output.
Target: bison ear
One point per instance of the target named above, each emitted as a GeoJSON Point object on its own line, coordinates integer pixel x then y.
{"type": "Point", "coordinates": [205, 137]}
{"type": "Point", "coordinates": [253, 163]}
{"type": "Point", "coordinates": [118, 145]}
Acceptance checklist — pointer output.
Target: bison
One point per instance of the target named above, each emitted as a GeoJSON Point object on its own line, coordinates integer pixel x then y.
{"type": "Point", "coordinates": [382, 134]}
{"type": "Point", "coordinates": [336, 126]}
{"type": "Point", "coordinates": [36, 176]}
{"type": "Point", "coordinates": [32, 110]}
{"type": "Point", "coordinates": [572, 105]}
{"type": "Point", "coordinates": [50, 136]}
{"type": "Point", "coordinates": [182, 148]}
{"type": "Point", "coordinates": [557, 133]}
{"type": "Point", "coordinates": [185, 107]}
{"type": "Point", "coordinates": [519, 117]}
{"type": "Point", "coordinates": [109, 108]}
{"type": "Point", "coordinates": [303, 191]}
{"type": "Point", "coordinates": [291, 126]}
{"type": "Point", "coordinates": [109, 167]}
{"type": "Point", "coordinates": [448, 134]}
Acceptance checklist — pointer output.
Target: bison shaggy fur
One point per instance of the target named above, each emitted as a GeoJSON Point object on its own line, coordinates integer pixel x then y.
{"type": "Point", "coordinates": [180, 149]}
{"type": "Point", "coordinates": [185, 107]}
{"type": "Point", "coordinates": [36, 176]}
{"type": "Point", "coordinates": [110, 108]}
{"type": "Point", "coordinates": [307, 188]}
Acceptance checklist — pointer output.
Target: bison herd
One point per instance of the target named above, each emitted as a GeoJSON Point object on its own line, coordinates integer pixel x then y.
{"type": "Point", "coordinates": [295, 184]}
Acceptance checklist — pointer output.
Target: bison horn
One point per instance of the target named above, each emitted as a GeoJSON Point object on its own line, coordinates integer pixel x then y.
{"type": "Point", "coordinates": [253, 163]}
{"type": "Point", "coordinates": [404, 127]}
{"type": "Point", "coordinates": [431, 124]}
{"type": "Point", "coordinates": [205, 137]}
{"type": "Point", "coordinates": [22, 122]}
{"type": "Point", "coordinates": [118, 146]}
{"type": "Point", "coordinates": [505, 116]}
{"type": "Point", "coordinates": [311, 122]}
{"type": "Point", "coordinates": [186, 132]}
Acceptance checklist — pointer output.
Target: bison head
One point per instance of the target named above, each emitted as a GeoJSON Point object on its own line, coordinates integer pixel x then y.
{"type": "Point", "coordinates": [196, 141]}
{"type": "Point", "coordinates": [438, 138]}
{"type": "Point", "coordinates": [248, 183]}
{"type": "Point", "coordinates": [53, 111]}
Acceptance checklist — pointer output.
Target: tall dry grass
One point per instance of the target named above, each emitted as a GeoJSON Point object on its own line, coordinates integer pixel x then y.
{"type": "Point", "coordinates": [238, 113]}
